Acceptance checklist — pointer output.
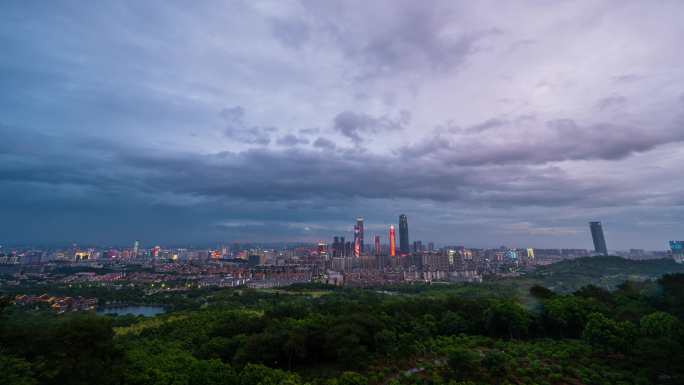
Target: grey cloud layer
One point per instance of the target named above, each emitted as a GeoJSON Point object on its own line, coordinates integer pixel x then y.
{"type": "Point", "coordinates": [527, 141]}
{"type": "Point", "coordinates": [300, 114]}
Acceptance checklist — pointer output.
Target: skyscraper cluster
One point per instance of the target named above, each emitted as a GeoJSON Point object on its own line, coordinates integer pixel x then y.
{"type": "Point", "coordinates": [340, 248]}
{"type": "Point", "coordinates": [357, 247]}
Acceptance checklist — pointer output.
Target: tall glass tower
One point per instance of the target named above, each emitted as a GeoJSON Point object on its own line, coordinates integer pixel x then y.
{"type": "Point", "coordinates": [598, 238]}
{"type": "Point", "coordinates": [377, 246]}
{"type": "Point", "coordinates": [358, 235]}
{"type": "Point", "coordinates": [403, 235]}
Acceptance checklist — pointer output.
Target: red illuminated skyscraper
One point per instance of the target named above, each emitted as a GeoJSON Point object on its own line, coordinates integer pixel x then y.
{"type": "Point", "coordinates": [357, 241]}
{"type": "Point", "coordinates": [377, 245]}
{"type": "Point", "coordinates": [393, 246]}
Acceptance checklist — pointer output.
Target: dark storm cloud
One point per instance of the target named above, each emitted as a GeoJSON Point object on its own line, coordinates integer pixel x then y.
{"type": "Point", "coordinates": [324, 143]}
{"type": "Point", "coordinates": [291, 140]}
{"type": "Point", "coordinates": [415, 36]}
{"type": "Point", "coordinates": [237, 129]}
{"type": "Point", "coordinates": [269, 175]}
{"type": "Point", "coordinates": [556, 140]}
{"type": "Point", "coordinates": [355, 125]}
{"type": "Point", "coordinates": [154, 119]}
{"type": "Point", "coordinates": [491, 123]}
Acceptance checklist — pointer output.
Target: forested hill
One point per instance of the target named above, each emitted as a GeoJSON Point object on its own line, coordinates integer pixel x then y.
{"type": "Point", "coordinates": [608, 272]}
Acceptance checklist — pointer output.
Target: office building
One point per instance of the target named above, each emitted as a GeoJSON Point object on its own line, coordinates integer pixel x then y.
{"type": "Point", "coordinates": [358, 236]}
{"type": "Point", "coordinates": [677, 250]}
{"type": "Point", "coordinates": [598, 238]}
{"type": "Point", "coordinates": [403, 235]}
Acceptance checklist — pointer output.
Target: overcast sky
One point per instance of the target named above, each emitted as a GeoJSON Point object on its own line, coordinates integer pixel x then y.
{"type": "Point", "coordinates": [486, 123]}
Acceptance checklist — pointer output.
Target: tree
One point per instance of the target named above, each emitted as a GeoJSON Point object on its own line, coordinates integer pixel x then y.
{"type": "Point", "coordinates": [386, 342]}
{"type": "Point", "coordinates": [660, 324]}
{"type": "Point", "coordinates": [507, 319]}
{"type": "Point", "coordinates": [540, 292]}
{"type": "Point", "coordinates": [565, 316]}
{"type": "Point", "coordinates": [496, 362]}
{"type": "Point", "coordinates": [660, 348]}
{"type": "Point", "coordinates": [351, 378]}
{"type": "Point", "coordinates": [15, 371]}
{"type": "Point", "coordinates": [253, 374]}
{"type": "Point", "coordinates": [463, 362]}
{"type": "Point", "coordinates": [452, 323]}
{"type": "Point", "coordinates": [608, 334]}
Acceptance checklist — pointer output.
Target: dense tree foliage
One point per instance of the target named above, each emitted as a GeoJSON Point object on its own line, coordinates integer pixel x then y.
{"type": "Point", "coordinates": [478, 334]}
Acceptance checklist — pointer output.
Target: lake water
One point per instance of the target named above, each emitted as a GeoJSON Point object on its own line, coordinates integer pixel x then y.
{"type": "Point", "coordinates": [147, 311]}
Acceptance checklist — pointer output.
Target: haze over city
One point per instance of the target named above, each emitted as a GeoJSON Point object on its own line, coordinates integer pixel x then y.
{"type": "Point", "coordinates": [486, 123]}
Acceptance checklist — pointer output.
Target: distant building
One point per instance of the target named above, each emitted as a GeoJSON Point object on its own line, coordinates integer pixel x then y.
{"type": "Point", "coordinates": [336, 247]}
{"type": "Point", "coordinates": [322, 249]}
{"type": "Point", "coordinates": [598, 238]}
{"type": "Point", "coordinates": [417, 246]}
{"type": "Point", "coordinates": [392, 241]}
{"type": "Point", "coordinates": [677, 249]}
{"type": "Point", "coordinates": [378, 250]}
{"type": "Point", "coordinates": [254, 260]}
{"type": "Point", "coordinates": [403, 235]}
{"type": "Point", "coordinates": [358, 237]}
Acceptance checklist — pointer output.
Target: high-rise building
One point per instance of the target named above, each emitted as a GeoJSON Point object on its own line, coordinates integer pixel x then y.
{"type": "Point", "coordinates": [322, 248]}
{"type": "Point", "coordinates": [358, 236]}
{"type": "Point", "coordinates": [677, 250]}
{"type": "Point", "coordinates": [431, 246]}
{"type": "Point", "coordinates": [598, 238]}
{"type": "Point", "coordinates": [136, 248]}
{"type": "Point", "coordinates": [403, 235]}
{"type": "Point", "coordinates": [392, 240]}
{"type": "Point", "coordinates": [377, 245]}
{"type": "Point", "coordinates": [336, 247]}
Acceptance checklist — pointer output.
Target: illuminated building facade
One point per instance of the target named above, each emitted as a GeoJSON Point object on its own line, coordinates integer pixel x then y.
{"type": "Point", "coordinates": [377, 245]}
{"type": "Point", "coordinates": [392, 240]}
{"type": "Point", "coordinates": [358, 237]}
{"type": "Point", "coordinates": [322, 248]}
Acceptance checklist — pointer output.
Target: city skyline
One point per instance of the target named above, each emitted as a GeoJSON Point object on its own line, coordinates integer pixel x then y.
{"type": "Point", "coordinates": [485, 123]}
